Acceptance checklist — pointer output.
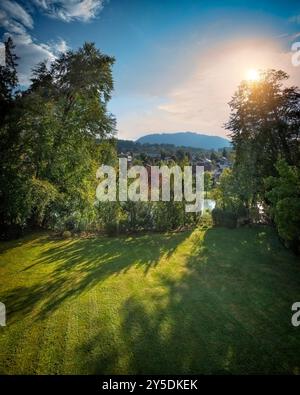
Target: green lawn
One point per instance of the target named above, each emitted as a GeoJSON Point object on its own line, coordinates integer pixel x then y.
{"type": "Point", "coordinates": [196, 302]}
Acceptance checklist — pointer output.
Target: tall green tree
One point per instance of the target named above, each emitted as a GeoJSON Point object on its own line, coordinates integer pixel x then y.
{"type": "Point", "coordinates": [283, 192]}
{"type": "Point", "coordinates": [8, 80]}
{"type": "Point", "coordinates": [61, 121]}
{"type": "Point", "coordinates": [13, 179]}
{"type": "Point", "coordinates": [264, 124]}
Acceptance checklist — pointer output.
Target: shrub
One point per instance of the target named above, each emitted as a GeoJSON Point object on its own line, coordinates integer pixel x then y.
{"type": "Point", "coordinates": [66, 234]}
{"type": "Point", "coordinates": [284, 197]}
{"type": "Point", "coordinates": [111, 228]}
{"type": "Point", "coordinates": [205, 221]}
{"type": "Point", "coordinates": [242, 212]}
{"type": "Point", "coordinates": [224, 218]}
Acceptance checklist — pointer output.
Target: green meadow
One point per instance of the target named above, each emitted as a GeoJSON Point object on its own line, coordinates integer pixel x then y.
{"type": "Point", "coordinates": [204, 301]}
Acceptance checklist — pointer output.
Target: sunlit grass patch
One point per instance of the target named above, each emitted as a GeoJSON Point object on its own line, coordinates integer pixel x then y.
{"type": "Point", "coordinates": [207, 301]}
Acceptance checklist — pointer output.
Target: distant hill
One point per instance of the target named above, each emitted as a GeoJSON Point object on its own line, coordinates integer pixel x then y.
{"type": "Point", "coordinates": [186, 139]}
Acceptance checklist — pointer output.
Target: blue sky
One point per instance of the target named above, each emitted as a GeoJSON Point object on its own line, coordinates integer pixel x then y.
{"type": "Point", "coordinates": [177, 62]}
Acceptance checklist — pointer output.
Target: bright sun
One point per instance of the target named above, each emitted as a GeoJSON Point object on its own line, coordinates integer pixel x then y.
{"type": "Point", "coordinates": [252, 75]}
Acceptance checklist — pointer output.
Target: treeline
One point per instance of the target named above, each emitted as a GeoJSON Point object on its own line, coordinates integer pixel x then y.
{"type": "Point", "coordinates": [53, 137]}
{"type": "Point", "coordinates": [48, 133]}
{"type": "Point", "coordinates": [265, 179]}
{"type": "Point", "coordinates": [167, 149]}
{"type": "Point", "coordinates": [57, 132]}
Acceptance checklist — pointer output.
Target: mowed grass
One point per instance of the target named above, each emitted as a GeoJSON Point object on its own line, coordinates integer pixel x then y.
{"type": "Point", "coordinates": [214, 301]}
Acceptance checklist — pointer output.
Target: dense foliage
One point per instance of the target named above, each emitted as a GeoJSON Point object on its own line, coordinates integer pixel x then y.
{"type": "Point", "coordinates": [265, 131]}
{"type": "Point", "coordinates": [49, 153]}
{"type": "Point", "coordinates": [56, 133]}
{"type": "Point", "coordinates": [54, 136]}
{"type": "Point", "coordinates": [284, 196]}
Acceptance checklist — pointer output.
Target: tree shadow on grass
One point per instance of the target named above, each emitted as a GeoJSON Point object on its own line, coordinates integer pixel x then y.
{"type": "Point", "coordinates": [228, 314]}
{"type": "Point", "coordinates": [27, 240]}
{"type": "Point", "coordinates": [76, 266]}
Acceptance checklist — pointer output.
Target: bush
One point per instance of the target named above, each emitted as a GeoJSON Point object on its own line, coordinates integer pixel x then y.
{"type": "Point", "coordinates": [111, 228]}
{"type": "Point", "coordinates": [10, 231]}
{"type": "Point", "coordinates": [242, 212]}
{"type": "Point", "coordinates": [205, 221]}
{"type": "Point", "coordinates": [284, 197]}
{"type": "Point", "coordinates": [70, 224]}
{"type": "Point", "coordinates": [224, 218]}
{"type": "Point", "coordinates": [66, 234]}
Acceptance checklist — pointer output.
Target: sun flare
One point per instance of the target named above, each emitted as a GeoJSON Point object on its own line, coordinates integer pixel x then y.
{"type": "Point", "coordinates": [252, 75]}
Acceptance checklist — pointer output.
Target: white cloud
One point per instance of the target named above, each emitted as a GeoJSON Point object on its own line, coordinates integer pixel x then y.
{"type": "Point", "coordinates": [9, 24]}
{"type": "Point", "coordinates": [14, 18]}
{"type": "Point", "coordinates": [61, 46]}
{"type": "Point", "coordinates": [69, 10]}
{"type": "Point", "coordinates": [16, 12]}
{"type": "Point", "coordinates": [17, 23]}
{"type": "Point", "coordinates": [30, 53]}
